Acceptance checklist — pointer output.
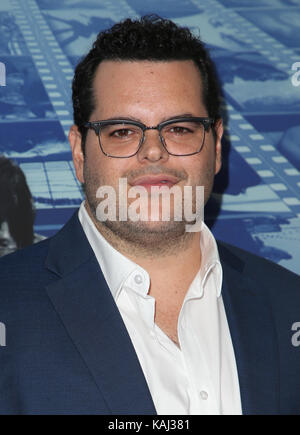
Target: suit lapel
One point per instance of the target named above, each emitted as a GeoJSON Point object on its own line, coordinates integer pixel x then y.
{"type": "Point", "coordinates": [253, 337]}
{"type": "Point", "coordinates": [87, 309]}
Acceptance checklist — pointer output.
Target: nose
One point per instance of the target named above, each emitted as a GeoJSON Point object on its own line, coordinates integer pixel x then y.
{"type": "Point", "coordinates": [152, 148]}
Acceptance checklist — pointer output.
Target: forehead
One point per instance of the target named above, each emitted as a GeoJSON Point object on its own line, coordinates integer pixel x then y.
{"type": "Point", "coordinates": [156, 85]}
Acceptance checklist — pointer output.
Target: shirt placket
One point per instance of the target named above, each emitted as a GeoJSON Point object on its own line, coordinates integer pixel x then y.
{"type": "Point", "coordinates": [200, 386]}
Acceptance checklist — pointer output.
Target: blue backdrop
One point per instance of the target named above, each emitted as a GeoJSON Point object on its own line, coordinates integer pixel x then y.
{"type": "Point", "coordinates": [255, 44]}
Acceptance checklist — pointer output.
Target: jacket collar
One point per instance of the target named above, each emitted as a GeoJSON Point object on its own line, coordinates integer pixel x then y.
{"type": "Point", "coordinates": [68, 249]}
{"type": "Point", "coordinates": [87, 309]}
{"type": "Point", "coordinates": [253, 335]}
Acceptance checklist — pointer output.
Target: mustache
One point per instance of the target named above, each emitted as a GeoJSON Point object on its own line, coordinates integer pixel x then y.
{"type": "Point", "coordinates": [154, 170]}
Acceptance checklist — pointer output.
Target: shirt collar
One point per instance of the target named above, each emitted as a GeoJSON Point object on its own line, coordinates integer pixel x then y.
{"type": "Point", "coordinates": [210, 260]}
{"type": "Point", "coordinates": [118, 269]}
{"type": "Point", "coordinates": [115, 267]}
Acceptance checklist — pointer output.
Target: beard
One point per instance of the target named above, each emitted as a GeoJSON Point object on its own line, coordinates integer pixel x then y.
{"type": "Point", "coordinates": [145, 238]}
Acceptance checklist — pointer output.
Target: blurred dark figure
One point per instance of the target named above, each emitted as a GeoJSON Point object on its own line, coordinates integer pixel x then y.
{"type": "Point", "coordinates": [17, 211]}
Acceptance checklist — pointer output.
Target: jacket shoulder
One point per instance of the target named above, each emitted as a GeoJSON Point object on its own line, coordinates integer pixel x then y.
{"type": "Point", "coordinates": [267, 274]}
{"type": "Point", "coordinates": [24, 265]}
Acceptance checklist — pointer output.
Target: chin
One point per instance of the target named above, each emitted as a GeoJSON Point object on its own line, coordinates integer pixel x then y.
{"type": "Point", "coordinates": [146, 232]}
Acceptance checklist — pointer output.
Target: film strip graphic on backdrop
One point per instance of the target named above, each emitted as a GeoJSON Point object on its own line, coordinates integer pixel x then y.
{"type": "Point", "coordinates": [276, 171]}
{"type": "Point", "coordinates": [53, 182]}
{"type": "Point", "coordinates": [280, 176]}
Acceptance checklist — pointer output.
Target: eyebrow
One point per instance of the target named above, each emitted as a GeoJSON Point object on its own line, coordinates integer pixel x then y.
{"type": "Point", "coordinates": [166, 118]}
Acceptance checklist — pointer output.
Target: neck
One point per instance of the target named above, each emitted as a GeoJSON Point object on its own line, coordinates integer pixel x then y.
{"type": "Point", "coordinates": [170, 259]}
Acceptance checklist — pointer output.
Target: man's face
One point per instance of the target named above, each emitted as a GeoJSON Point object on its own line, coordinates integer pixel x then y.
{"type": "Point", "coordinates": [149, 92]}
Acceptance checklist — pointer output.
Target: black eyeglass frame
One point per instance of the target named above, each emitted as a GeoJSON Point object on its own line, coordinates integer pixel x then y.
{"type": "Point", "coordinates": [96, 126]}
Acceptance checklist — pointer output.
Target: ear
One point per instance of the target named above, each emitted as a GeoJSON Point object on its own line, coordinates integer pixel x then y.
{"type": "Point", "coordinates": [218, 146]}
{"type": "Point", "coordinates": [75, 140]}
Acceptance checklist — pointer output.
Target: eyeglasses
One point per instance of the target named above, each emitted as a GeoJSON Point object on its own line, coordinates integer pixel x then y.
{"type": "Point", "coordinates": [122, 138]}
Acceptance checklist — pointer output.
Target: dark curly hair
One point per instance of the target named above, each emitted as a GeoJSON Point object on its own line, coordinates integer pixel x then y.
{"type": "Point", "coordinates": [16, 203]}
{"type": "Point", "coordinates": [148, 38]}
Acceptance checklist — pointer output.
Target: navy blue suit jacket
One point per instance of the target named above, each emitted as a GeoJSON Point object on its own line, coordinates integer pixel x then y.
{"type": "Point", "coordinates": [68, 352]}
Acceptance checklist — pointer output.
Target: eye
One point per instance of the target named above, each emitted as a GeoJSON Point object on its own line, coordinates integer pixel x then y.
{"type": "Point", "coordinates": [179, 130]}
{"type": "Point", "coordinates": [122, 133]}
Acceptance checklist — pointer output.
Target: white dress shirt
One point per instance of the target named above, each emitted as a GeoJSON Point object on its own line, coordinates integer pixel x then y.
{"type": "Point", "coordinates": [200, 377]}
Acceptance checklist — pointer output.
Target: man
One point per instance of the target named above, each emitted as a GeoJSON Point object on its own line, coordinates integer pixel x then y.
{"type": "Point", "coordinates": [125, 316]}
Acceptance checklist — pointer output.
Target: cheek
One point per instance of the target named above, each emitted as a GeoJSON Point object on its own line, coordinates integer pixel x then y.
{"type": "Point", "coordinates": [101, 171]}
{"type": "Point", "coordinates": [202, 170]}
{"type": "Point", "coordinates": [92, 170]}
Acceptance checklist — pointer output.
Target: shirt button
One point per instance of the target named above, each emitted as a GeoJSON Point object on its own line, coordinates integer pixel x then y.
{"type": "Point", "coordinates": [203, 395]}
{"type": "Point", "coordinates": [138, 279]}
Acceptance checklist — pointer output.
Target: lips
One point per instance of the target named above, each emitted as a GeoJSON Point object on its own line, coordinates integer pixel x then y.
{"type": "Point", "coordinates": [155, 180]}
